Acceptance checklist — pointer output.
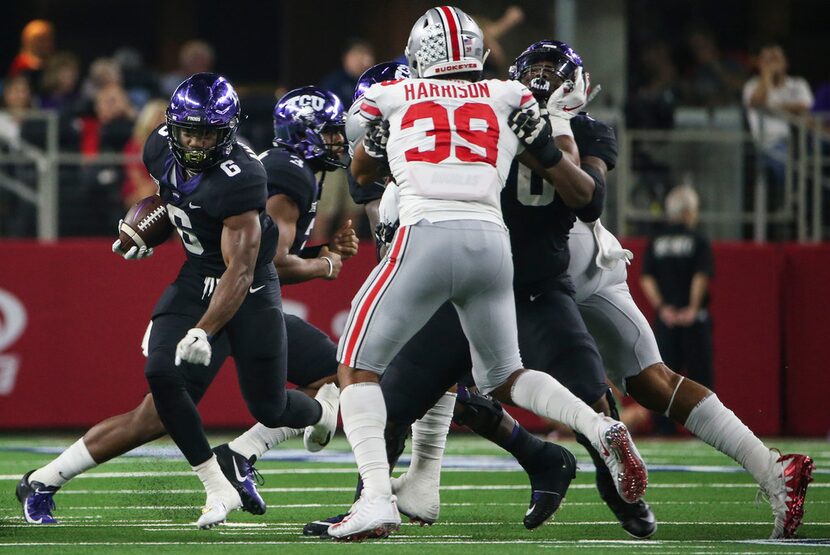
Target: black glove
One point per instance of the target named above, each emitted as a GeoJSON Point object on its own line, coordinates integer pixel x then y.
{"type": "Point", "coordinates": [534, 134]}
{"type": "Point", "coordinates": [375, 139]}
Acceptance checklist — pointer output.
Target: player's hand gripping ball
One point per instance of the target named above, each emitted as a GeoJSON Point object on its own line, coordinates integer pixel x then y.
{"type": "Point", "coordinates": [145, 226]}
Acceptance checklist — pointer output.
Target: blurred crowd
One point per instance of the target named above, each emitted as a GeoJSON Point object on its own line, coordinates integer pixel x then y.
{"type": "Point", "coordinates": [113, 104]}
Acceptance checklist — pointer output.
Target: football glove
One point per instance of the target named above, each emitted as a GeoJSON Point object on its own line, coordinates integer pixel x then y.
{"type": "Point", "coordinates": [374, 142]}
{"type": "Point", "coordinates": [134, 253]}
{"type": "Point", "coordinates": [194, 348]}
{"type": "Point", "coordinates": [566, 101]}
{"type": "Point", "coordinates": [534, 133]}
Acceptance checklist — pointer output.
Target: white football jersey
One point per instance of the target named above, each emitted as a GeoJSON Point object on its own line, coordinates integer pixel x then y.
{"type": "Point", "coordinates": [450, 147]}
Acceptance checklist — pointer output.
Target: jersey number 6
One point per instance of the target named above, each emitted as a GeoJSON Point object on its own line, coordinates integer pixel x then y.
{"type": "Point", "coordinates": [463, 116]}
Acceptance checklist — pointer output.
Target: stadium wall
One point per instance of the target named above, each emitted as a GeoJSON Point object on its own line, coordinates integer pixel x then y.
{"type": "Point", "coordinates": [72, 316]}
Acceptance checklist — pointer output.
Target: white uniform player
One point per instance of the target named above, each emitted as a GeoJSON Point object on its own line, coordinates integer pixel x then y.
{"type": "Point", "coordinates": [449, 145]}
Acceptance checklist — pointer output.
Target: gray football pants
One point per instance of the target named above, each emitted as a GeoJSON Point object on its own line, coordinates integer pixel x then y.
{"type": "Point", "coordinates": [467, 262]}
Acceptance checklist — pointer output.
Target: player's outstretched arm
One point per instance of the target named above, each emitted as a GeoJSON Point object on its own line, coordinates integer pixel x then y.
{"type": "Point", "coordinates": [290, 267]}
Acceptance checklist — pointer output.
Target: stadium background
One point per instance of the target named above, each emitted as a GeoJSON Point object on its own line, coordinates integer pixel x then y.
{"type": "Point", "coordinates": [74, 314]}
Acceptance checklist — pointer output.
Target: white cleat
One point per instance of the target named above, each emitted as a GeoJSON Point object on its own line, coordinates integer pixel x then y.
{"type": "Point", "coordinates": [786, 488]}
{"type": "Point", "coordinates": [371, 518]}
{"type": "Point", "coordinates": [419, 499]}
{"type": "Point", "coordinates": [615, 446]}
{"type": "Point", "coordinates": [216, 510]}
{"type": "Point", "coordinates": [316, 437]}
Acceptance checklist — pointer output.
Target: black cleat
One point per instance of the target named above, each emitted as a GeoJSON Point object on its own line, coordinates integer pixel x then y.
{"type": "Point", "coordinates": [549, 487]}
{"type": "Point", "coordinates": [319, 528]}
{"type": "Point", "coordinates": [241, 473]}
{"type": "Point", "coordinates": [36, 499]}
{"type": "Point", "coordinates": [636, 518]}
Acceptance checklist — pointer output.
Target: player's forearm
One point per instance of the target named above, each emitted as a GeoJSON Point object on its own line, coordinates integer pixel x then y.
{"type": "Point", "coordinates": [700, 283]}
{"type": "Point", "coordinates": [228, 297]}
{"type": "Point", "coordinates": [293, 269]}
{"type": "Point", "coordinates": [571, 183]}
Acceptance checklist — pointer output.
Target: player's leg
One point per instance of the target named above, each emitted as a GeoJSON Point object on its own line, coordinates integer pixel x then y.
{"type": "Point", "coordinates": [394, 303]}
{"type": "Point", "coordinates": [483, 297]}
{"type": "Point", "coordinates": [312, 366]}
{"type": "Point", "coordinates": [553, 337]}
{"type": "Point", "coordinates": [630, 350]}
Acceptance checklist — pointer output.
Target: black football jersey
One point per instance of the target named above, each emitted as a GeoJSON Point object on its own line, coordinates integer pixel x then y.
{"type": "Point", "coordinates": [364, 194]}
{"type": "Point", "coordinates": [539, 223]}
{"type": "Point", "coordinates": [288, 174]}
{"type": "Point", "coordinates": [198, 205]}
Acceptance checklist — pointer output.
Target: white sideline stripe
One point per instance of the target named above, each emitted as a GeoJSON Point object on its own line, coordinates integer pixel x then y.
{"type": "Point", "coordinates": [443, 488]}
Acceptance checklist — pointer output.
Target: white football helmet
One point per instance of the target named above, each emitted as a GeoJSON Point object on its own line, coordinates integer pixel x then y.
{"type": "Point", "coordinates": [445, 40]}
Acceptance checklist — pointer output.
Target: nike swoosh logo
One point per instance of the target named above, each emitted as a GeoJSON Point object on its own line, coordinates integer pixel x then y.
{"type": "Point", "coordinates": [566, 109]}
{"type": "Point", "coordinates": [193, 206]}
{"type": "Point", "coordinates": [239, 476]}
{"type": "Point", "coordinates": [255, 289]}
{"type": "Point", "coordinates": [530, 510]}
{"type": "Point", "coordinates": [534, 297]}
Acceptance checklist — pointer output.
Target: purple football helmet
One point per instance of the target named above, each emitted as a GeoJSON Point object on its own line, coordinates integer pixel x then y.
{"type": "Point", "coordinates": [386, 71]}
{"type": "Point", "coordinates": [564, 59]}
{"type": "Point", "coordinates": [302, 116]}
{"type": "Point", "coordinates": [205, 106]}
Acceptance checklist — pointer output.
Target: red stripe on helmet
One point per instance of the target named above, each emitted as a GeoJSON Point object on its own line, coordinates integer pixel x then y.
{"type": "Point", "coordinates": [454, 31]}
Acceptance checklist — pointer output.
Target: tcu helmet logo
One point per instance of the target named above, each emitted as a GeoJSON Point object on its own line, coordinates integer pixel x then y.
{"type": "Point", "coordinates": [316, 103]}
{"type": "Point", "coordinates": [12, 323]}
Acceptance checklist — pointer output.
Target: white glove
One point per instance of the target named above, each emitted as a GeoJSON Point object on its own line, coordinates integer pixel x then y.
{"type": "Point", "coordinates": [194, 348]}
{"type": "Point", "coordinates": [134, 253]}
{"type": "Point", "coordinates": [566, 101]}
{"type": "Point", "coordinates": [375, 139]}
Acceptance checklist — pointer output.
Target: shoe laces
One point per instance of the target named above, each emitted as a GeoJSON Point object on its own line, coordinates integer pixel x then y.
{"type": "Point", "coordinates": [254, 473]}
{"type": "Point", "coordinates": [42, 502]}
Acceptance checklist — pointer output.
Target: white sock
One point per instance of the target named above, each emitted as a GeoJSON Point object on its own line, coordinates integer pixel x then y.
{"type": "Point", "coordinates": [544, 396]}
{"type": "Point", "coordinates": [719, 427]}
{"type": "Point", "coordinates": [75, 460]}
{"type": "Point", "coordinates": [429, 437]}
{"type": "Point", "coordinates": [259, 439]}
{"type": "Point", "coordinates": [211, 476]}
{"type": "Point", "coordinates": [364, 419]}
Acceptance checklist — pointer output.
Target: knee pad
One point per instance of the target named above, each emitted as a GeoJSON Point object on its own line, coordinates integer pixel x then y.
{"type": "Point", "coordinates": [480, 413]}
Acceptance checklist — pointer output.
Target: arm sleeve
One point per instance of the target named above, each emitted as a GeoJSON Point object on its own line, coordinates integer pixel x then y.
{"type": "Point", "coordinates": [704, 261]}
{"type": "Point", "coordinates": [593, 210]}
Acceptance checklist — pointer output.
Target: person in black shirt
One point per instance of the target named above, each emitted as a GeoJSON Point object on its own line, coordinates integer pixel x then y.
{"type": "Point", "coordinates": [676, 271]}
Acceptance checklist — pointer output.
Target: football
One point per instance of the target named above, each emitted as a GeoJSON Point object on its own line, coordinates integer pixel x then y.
{"type": "Point", "coordinates": [145, 225]}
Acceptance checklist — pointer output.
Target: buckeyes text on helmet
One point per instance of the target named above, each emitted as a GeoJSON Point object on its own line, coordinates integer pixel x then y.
{"type": "Point", "coordinates": [445, 40]}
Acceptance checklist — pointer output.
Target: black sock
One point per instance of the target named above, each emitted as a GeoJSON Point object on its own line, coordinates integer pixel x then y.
{"type": "Point", "coordinates": [525, 447]}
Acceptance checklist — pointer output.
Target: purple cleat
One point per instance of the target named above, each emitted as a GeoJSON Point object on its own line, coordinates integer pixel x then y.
{"type": "Point", "coordinates": [241, 473]}
{"type": "Point", "coordinates": [37, 501]}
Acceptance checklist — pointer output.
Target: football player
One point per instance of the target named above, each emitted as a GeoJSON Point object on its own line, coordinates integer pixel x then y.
{"type": "Point", "coordinates": [451, 222]}
{"type": "Point", "coordinates": [310, 354]}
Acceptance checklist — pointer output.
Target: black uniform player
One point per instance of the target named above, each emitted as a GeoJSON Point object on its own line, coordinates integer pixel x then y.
{"type": "Point", "coordinates": [215, 193]}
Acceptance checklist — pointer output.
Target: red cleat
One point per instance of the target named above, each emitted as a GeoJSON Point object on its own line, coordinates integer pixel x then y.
{"type": "Point", "coordinates": [786, 489]}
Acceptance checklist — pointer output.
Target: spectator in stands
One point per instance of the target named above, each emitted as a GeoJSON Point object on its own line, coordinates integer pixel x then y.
{"type": "Point", "coordinates": [777, 94]}
{"type": "Point", "coordinates": [493, 30]}
{"type": "Point", "coordinates": [59, 86]}
{"type": "Point", "coordinates": [140, 83]}
{"type": "Point", "coordinates": [714, 79]}
{"type": "Point", "coordinates": [655, 89]}
{"type": "Point", "coordinates": [137, 182]}
{"type": "Point", "coordinates": [358, 56]}
{"type": "Point", "coordinates": [36, 44]}
{"type": "Point", "coordinates": [17, 98]}
{"type": "Point", "coordinates": [195, 56]}
{"type": "Point", "coordinates": [103, 72]}
{"type": "Point", "coordinates": [675, 278]}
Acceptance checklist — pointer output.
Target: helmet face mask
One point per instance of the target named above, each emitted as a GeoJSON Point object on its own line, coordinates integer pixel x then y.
{"type": "Point", "coordinates": [544, 66]}
{"type": "Point", "coordinates": [202, 121]}
{"type": "Point", "coordinates": [444, 41]}
{"type": "Point", "coordinates": [310, 122]}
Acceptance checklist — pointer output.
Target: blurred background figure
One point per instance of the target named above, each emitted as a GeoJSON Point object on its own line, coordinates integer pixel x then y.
{"type": "Point", "coordinates": [195, 56]}
{"type": "Point", "coordinates": [141, 83]}
{"type": "Point", "coordinates": [773, 90]}
{"type": "Point", "coordinates": [103, 72]}
{"type": "Point", "coordinates": [655, 89]}
{"type": "Point", "coordinates": [59, 86]}
{"type": "Point", "coordinates": [675, 278]}
{"type": "Point", "coordinates": [358, 56]}
{"type": "Point", "coordinates": [498, 61]}
{"type": "Point", "coordinates": [713, 78]}
{"type": "Point", "coordinates": [17, 98]}
{"type": "Point", "coordinates": [17, 216]}
{"type": "Point", "coordinates": [36, 44]}
{"type": "Point", "coordinates": [137, 181]}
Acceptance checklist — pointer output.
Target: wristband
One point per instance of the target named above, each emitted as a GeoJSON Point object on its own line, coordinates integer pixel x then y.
{"type": "Point", "coordinates": [331, 265]}
{"type": "Point", "coordinates": [549, 155]}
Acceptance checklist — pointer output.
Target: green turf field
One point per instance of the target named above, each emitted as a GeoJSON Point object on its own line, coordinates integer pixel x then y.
{"type": "Point", "coordinates": [147, 503]}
